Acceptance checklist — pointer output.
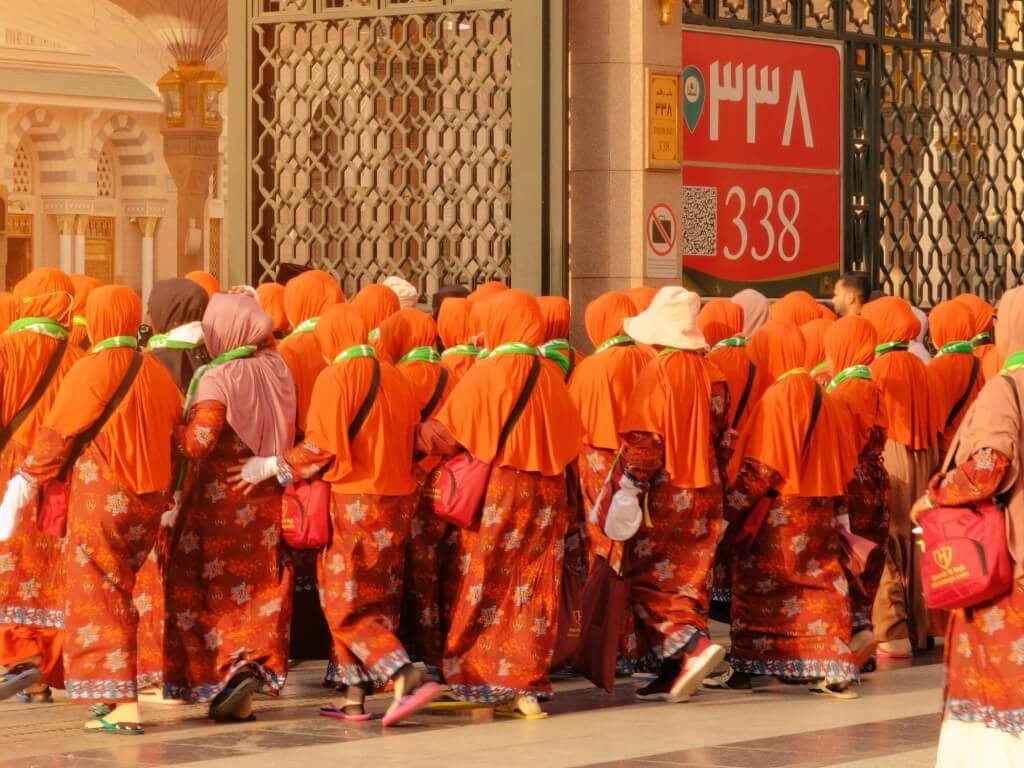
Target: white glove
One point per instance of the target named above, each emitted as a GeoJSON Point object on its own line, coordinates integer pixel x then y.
{"type": "Point", "coordinates": [624, 513]}
{"type": "Point", "coordinates": [843, 521]}
{"type": "Point", "coordinates": [19, 493]}
{"type": "Point", "coordinates": [170, 517]}
{"type": "Point", "coordinates": [259, 468]}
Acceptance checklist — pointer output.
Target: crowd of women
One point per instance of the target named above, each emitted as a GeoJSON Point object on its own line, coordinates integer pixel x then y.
{"type": "Point", "coordinates": [719, 456]}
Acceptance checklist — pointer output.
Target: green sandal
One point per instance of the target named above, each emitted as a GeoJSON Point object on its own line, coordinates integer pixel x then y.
{"type": "Point", "coordinates": [119, 729]}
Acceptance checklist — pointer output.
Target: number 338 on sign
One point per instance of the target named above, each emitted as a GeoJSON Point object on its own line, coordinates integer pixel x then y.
{"type": "Point", "coordinates": [775, 218]}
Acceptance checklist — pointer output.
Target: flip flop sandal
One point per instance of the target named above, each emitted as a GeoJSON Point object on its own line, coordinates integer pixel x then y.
{"type": "Point", "coordinates": [515, 713]}
{"type": "Point", "coordinates": [18, 679]}
{"type": "Point", "coordinates": [447, 701]}
{"type": "Point", "coordinates": [832, 692]}
{"type": "Point", "coordinates": [101, 710]}
{"type": "Point", "coordinates": [118, 729]}
{"type": "Point", "coordinates": [730, 680]}
{"type": "Point", "coordinates": [224, 706]}
{"type": "Point", "coordinates": [337, 713]}
{"type": "Point", "coordinates": [36, 697]}
{"type": "Point", "coordinates": [413, 703]}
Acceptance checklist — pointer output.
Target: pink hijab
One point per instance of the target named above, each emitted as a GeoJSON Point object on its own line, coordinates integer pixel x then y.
{"type": "Point", "coordinates": [257, 391]}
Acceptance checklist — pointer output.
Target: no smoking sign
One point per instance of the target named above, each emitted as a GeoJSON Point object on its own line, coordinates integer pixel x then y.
{"type": "Point", "coordinates": [662, 233]}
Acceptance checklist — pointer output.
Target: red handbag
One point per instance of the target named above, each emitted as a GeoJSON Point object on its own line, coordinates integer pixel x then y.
{"type": "Point", "coordinates": [603, 606]}
{"type": "Point", "coordinates": [570, 614]}
{"type": "Point", "coordinates": [458, 485]}
{"type": "Point", "coordinates": [306, 504]}
{"type": "Point", "coordinates": [966, 558]}
{"type": "Point", "coordinates": [52, 517]}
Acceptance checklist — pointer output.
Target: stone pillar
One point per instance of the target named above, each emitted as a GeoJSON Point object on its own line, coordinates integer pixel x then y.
{"type": "Point", "coordinates": [612, 43]}
{"type": "Point", "coordinates": [147, 226]}
{"type": "Point", "coordinates": [66, 229]}
{"type": "Point", "coordinates": [81, 227]}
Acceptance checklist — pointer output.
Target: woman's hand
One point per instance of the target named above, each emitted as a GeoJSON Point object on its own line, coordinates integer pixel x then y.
{"type": "Point", "coordinates": [922, 505]}
{"type": "Point", "coordinates": [252, 472]}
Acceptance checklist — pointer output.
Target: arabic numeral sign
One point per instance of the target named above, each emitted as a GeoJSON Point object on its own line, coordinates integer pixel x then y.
{"type": "Point", "coordinates": [783, 239]}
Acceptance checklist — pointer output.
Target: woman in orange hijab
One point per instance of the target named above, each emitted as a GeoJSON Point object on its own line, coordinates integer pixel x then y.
{"type": "Point", "coordinates": [120, 487]}
{"type": "Point", "coordinates": [790, 606]}
{"type": "Point", "coordinates": [486, 291]}
{"type": "Point", "coordinates": [504, 621]}
{"type": "Point", "coordinates": [641, 296]}
{"type": "Point", "coordinates": [797, 307]}
{"type": "Point", "coordinates": [556, 312]}
{"type": "Point", "coordinates": [83, 286]}
{"type": "Point", "coordinates": [954, 374]}
{"type": "Point", "coordinates": [306, 297]}
{"type": "Point", "coordinates": [814, 345]}
{"type": "Point", "coordinates": [31, 623]}
{"type": "Point", "coordinates": [849, 349]}
{"type": "Point", "coordinates": [455, 328]}
{"type": "Point", "coordinates": [8, 309]}
{"type": "Point", "coordinates": [376, 303]}
{"type": "Point", "coordinates": [271, 297]}
{"type": "Point", "coordinates": [911, 455]}
{"type": "Point", "coordinates": [673, 428]}
{"type": "Point", "coordinates": [209, 283]}
{"type": "Point", "coordinates": [983, 317]}
{"type": "Point", "coordinates": [601, 390]}
{"type": "Point", "coordinates": [373, 495]}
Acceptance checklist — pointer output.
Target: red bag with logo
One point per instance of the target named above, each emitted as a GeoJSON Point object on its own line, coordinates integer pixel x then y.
{"type": "Point", "coordinates": [966, 558]}
{"type": "Point", "coordinates": [458, 485]}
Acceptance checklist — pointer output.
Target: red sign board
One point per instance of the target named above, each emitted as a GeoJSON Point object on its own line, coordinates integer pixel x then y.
{"type": "Point", "coordinates": [762, 163]}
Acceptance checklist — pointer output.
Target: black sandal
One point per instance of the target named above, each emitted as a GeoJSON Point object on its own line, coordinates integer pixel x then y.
{"type": "Point", "coordinates": [18, 678]}
{"type": "Point", "coordinates": [241, 686]}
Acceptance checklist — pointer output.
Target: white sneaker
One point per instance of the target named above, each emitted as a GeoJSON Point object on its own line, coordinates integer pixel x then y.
{"type": "Point", "coordinates": [696, 669]}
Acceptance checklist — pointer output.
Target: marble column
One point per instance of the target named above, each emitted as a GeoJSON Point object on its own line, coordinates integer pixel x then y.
{"type": "Point", "coordinates": [147, 226]}
{"type": "Point", "coordinates": [81, 227]}
{"type": "Point", "coordinates": [66, 229]}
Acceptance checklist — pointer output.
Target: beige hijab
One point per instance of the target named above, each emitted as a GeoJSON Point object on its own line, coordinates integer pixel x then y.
{"type": "Point", "coordinates": [755, 310]}
{"type": "Point", "coordinates": [995, 421]}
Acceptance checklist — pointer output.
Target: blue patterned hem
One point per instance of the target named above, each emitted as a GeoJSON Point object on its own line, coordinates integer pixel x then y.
{"type": "Point", "coordinates": [379, 674]}
{"type": "Point", "coordinates": [967, 711]}
{"type": "Point", "coordinates": [494, 694]}
{"type": "Point", "coordinates": [152, 680]}
{"type": "Point", "coordinates": [721, 595]}
{"type": "Point", "coordinates": [31, 617]}
{"type": "Point", "coordinates": [800, 669]}
{"type": "Point", "coordinates": [101, 690]}
{"type": "Point", "coordinates": [861, 621]}
{"type": "Point", "coordinates": [270, 684]}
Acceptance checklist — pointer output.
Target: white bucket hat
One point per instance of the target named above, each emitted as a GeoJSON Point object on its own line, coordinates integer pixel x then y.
{"type": "Point", "coordinates": [407, 294]}
{"type": "Point", "coordinates": [670, 321]}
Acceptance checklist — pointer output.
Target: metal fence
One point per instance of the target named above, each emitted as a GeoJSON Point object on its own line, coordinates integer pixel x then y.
{"type": "Point", "coordinates": [934, 128]}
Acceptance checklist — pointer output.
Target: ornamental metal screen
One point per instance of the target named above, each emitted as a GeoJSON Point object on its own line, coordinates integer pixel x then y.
{"type": "Point", "coordinates": [381, 139]}
{"type": "Point", "coordinates": [934, 132]}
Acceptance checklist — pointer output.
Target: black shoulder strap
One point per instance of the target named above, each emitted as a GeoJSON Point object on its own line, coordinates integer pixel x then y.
{"type": "Point", "coordinates": [364, 409]}
{"type": "Point", "coordinates": [36, 396]}
{"type": "Point", "coordinates": [83, 440]}
{"type": "Point", "coordinates": [745, 397]}
{"type": "Point", "coordinates": [520, 406]}
{"type": "Point", "coordinates": [815, 413]}
{"type": "Point", "coordinates": [442, 384]}
{"type": "Point", "coordinates": [959, 406]}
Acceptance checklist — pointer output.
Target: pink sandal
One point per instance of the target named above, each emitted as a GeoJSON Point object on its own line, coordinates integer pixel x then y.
{"type": "Point", "coordinates": [413, 703]}
{"type": "Point", "coordinates": [340, 714]}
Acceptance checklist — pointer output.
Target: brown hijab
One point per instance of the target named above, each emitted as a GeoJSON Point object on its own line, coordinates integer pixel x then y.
{"type": "Point", "coordinates": [173, 303]}
{"type": "Point", "coordinates": [755, 310]}
{"type": "Point", "coordinates": [994, 421]}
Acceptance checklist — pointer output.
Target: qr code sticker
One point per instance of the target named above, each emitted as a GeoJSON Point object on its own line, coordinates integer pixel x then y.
{"type": "Point", "coordinates": [700, 221]}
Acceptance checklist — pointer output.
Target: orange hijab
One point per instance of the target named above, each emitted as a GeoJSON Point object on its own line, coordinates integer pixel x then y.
{"type": "Point", "coordinates": [983, 317]}
{"type": "Point", "coordinates": [672, 398]}
{"type": "Point", "coordinates": [486, 291]}
{"type": "Point", "coordinates": [549, 434]}
{"type": "Point", "coordinates": [136, 441]}
{"type": "Point", "coordinates": [797, 307]}
{"type": "Point", "coordinates": [912, 417]}
{"type": "Point", "coordinates": [8, 310]}
{"type": "Point", "coordinates": [379, 460]}
{"type": "Point", "coordinates": [83, 286]}
{"type": "Point", "coordinates": [603, 383]}
{"type": "Point", "coordinates": [720, 320]}
{"type": "Point", "coordinates": [402, 334]}
{"type": "Point", "coordinates": [951, 325]}
{"type": "Point", "coordinates": [376, 303]}
{"type": "Point", "coordinates": [209, 283]}
{"type": "Point", "coordinates": [271, 296]}
{"type": "Point", "coordinates": [778, 426]}
{"type": "Point", "coordinates": [851, 342]}
{"type": "Point", "coordinates": [556, 312]}
{"type": "Point", "coordinates": [641, 296]}
{"type": "Point", "coordinates": [814, 342]}
{"type": "Point", "coordinates": [309, 295]}
{"type": "Point", "coordinates": [455, 327]}
{"type": "Point", "coordinates": [25, 355]}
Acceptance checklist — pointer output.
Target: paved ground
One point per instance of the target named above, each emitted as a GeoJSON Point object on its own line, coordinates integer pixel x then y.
{"type": "Point", "coordinates": [894, 723]}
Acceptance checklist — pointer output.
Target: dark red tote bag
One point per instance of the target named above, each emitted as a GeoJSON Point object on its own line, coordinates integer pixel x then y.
{"type": "Point", "coordinates": [604, 605]}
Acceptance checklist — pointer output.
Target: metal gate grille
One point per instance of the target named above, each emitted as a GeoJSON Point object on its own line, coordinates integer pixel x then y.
{"type": "Point", "coordinates": [381, 139]}
{"type": "Point", "coordinates": [934, 134]}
